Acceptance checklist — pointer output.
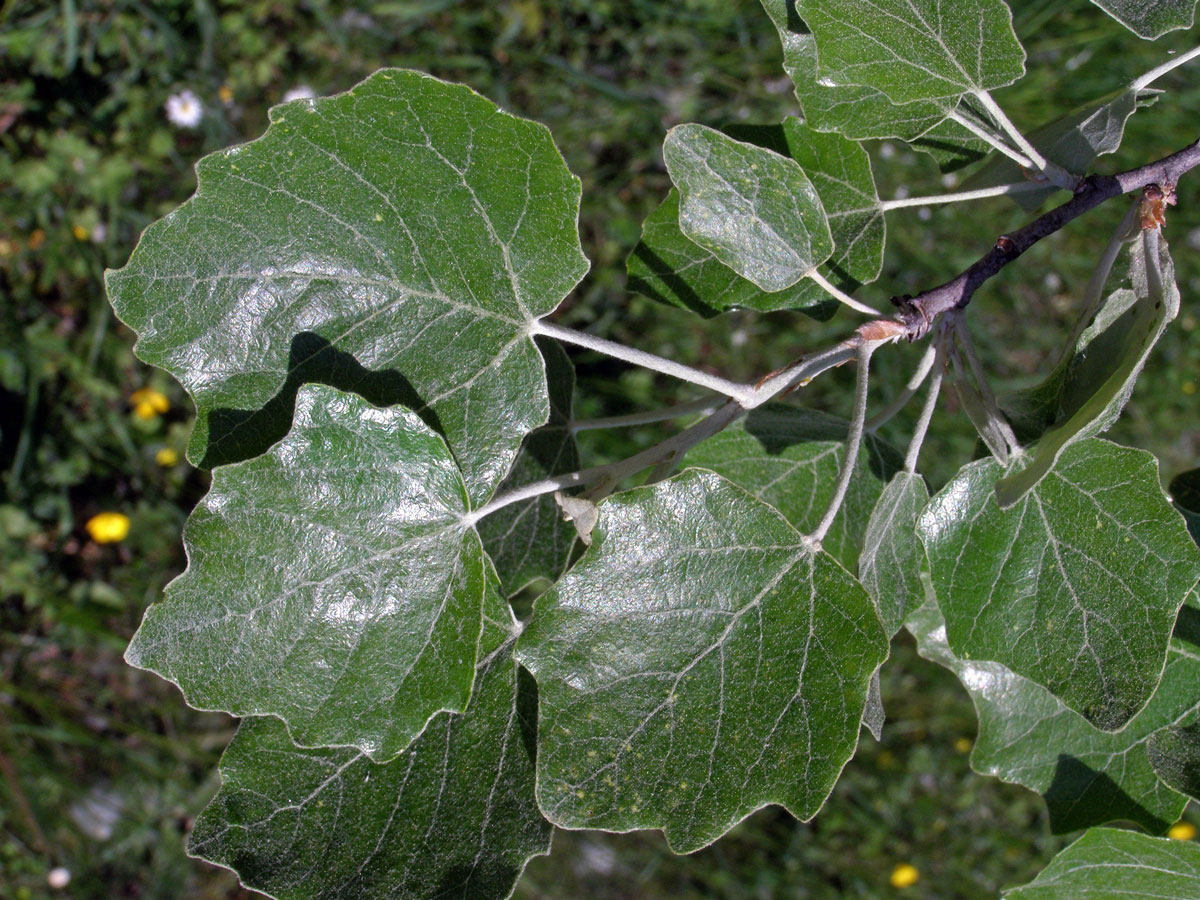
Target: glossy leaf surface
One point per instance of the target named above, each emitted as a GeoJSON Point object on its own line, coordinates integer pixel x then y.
{"type": "Point", "coordinates": [1076, 587]}
{"type": "Point", "coordinates": [789, 458]}
{"type": "Point", "coordinates": [754, 210]}
{"type": "Point", "coordinates": [1151, 18]}
{"type": "Point", "coordinates": [1086, 776]}
{"type": "Point", "coordinates": [396, 240]}
{"type": "Point", "coordinates": [1107, 864]}
{"type": "Point", "coordinates": [892, 556]}
{"type": "Point", "coordinates": [914, 50]}
{"type": "Point", "coordinates": [669, 267]}
{"type": "Point", "coordinates": [698, 662]}
{"type": "Point", "coordinates": [454, 815]}
{"type": "Point", "coordinates": [330, 582]}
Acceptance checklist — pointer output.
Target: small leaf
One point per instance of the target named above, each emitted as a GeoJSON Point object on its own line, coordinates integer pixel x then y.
{"type": "Point", "coordinates": [1098, 381]}
{"type": "Point", "coordinates": [1151, 20]}
{"type": "Point", "coordinates": [790, 458]}
{"type": "Point", "coordinates": [670, 268]}
{"type": "Point", "coordinates": [754, 210]}
{"type": "Point", "coordinates": [874, 716]}
{"type": "Point", "coordinates": [454, 815]}
{"type": "Point", "coordinates": [396, 240]}
{"type": "Point", "coordinates": [892, 554]}
{"type": "Point", "coordinates": [1076, 586]}
{"type": "Point", "coordinates": [330, 582]}
{"type": "Point", "coordinates": [1108, 864]}
{"type": "Point", "coordinates": [530, 540]}
{"type": "Point", "coordinates": [700, 660]}
{"type": "Point", "coordinates": [1086, 776]}
{"type": "Point", "coordinates": [915, 50]}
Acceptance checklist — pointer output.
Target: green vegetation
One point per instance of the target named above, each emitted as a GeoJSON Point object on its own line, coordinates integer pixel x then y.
{"type": "Point", "coordinates": [101, 766]}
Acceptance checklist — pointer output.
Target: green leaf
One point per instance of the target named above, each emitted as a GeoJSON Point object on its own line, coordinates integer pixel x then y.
{"type": "Point", "coordinates": [669, 267]}
{"type": "Point", "coordinates": [454, 815]}
{"type": "Point", "coordinates": [753, 209]}
{"type": "Point", "coordinates": [330, 582]}
{"type": "Point", "coordinates": [789, 458]}
{"type": "Point", "coordinates": [397, 240]}
{"type": "Point", "coordinates": [1076, 586]}
{"type": "Point", "coordinates": [1108, 864]}
{"type": "Point", "coordinates": [701, 660]}
{"type": "Point", "coordinates": [1175, 754]}
{"type": "Point", "coordinates": [1151, 20]}
{"type": "Point", "coordinates": [1087, 776]}
{"type": "Point", "coordinates": [915, 49]}
{"type": "Point", "coordinates": [1073, 142]}
{"type": "Point", "coordinates": [1098, 381]}
{"type": "Point", "coordinates": [892, 556]}
{"type": "Point", "coordinates": [530, 540]}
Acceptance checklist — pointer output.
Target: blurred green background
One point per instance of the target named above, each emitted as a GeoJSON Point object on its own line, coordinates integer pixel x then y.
{"type": "Point", "coordinates": [102, 766]}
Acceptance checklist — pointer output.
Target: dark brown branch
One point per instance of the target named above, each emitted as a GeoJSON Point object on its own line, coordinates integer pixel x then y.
{"type": "Point", "coordinates": [918, 313]}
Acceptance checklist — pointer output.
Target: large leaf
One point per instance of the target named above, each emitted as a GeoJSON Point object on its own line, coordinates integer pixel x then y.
{"type": "Point", "coordinates": [1107, 864]}
{"type": "Point", "coordinates": [790, 458]}
{"type": "Point", "coordinates": [753, 209]}
{"type": "Point", "coordinates": [1087, 776]}
{"type": "Point", "coordinates": [1151, 19]}
{"type": "Point", "coordinates": [915, 50]}
{"type": "Point", "coordinates": [892, 556]}
{"type": "Point", "coordinates": [397, 240]}
{"type": "Point", "coordinates": [1098, 380]}
{"type": "Point", "coordinates": [1076, 587]}
{"type": "Point", "coordinates": [701, 660]}
{"type": "Point", "coordinates": [669, 267]}
{"type": "Point", "coordinates": [330, 582]}
{"type": "Point", "coordinates": [453, 816]}
{"type": "Point", "coordinates": [531, 540]}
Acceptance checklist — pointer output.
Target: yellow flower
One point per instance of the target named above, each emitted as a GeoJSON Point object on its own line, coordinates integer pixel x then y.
{"type": "Point", "coordinates": [225, 92]}
{"type": "Point", "coordinates": [1182, 831]}
{"type": "Point", "coordinates": [108, 527]}
{"type": "Point", "coordinates": [166, 457]}
{"type": "Point", "coordinates": [148, 403]}
{"type": "Point", "coordinates": [905, 875]}
{"type": "Point", "coordinates": [36, 238]}
{"type": "Point", "coordinates": [963, 745]}
{"type": "Point", "coordinates": [81, 233]}
{"type": "Point", "coordinates": [1189, 387]}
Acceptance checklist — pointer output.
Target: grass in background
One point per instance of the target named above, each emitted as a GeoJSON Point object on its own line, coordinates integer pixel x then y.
{"type": "Point", "coordinates": [101, 766]}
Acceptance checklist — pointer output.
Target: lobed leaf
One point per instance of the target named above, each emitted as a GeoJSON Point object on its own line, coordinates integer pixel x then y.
{"type": "Point", "coordinates": [330, 582]}
{"type": "Point", "coordinates": [453, 815]}
{"type": "Point", "coordinates": [669, 267]}
{"type": "Point", "coordinates": [892, 556]}
{"type": "Point", "coordinates": [1086, 776]}
{"type": "Point", "coordinates": [1108, 864]}
{"type": "Point", "coordinates": [701, 660]}
{"type": "Point", "coordinates": [915, 50]}
{"type": "Point", "coordinates": [530, 540]}
{"type": "Point", "coordinates": [1151, 19]}
{"type": "Point", "coordinates": [790, 458]}
{"type": "Point", "coordinates": [754, 210]}
{"type": "Point", "coordinates": [1086, 393]}
{"type": "Point", "coordinates": [1076, 586]}
{"type": "Point", "coordinates": [396, 240]}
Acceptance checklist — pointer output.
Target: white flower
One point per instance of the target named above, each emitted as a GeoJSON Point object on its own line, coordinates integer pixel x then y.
{"type": "Point", "coordinates": [299, 92]}
{"type": "Point", "coordinates": [184, 110]}
{"type": "Point", "coordinates": [58, 878]}
{"type": "Point", "coordinates": [99, 233]}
